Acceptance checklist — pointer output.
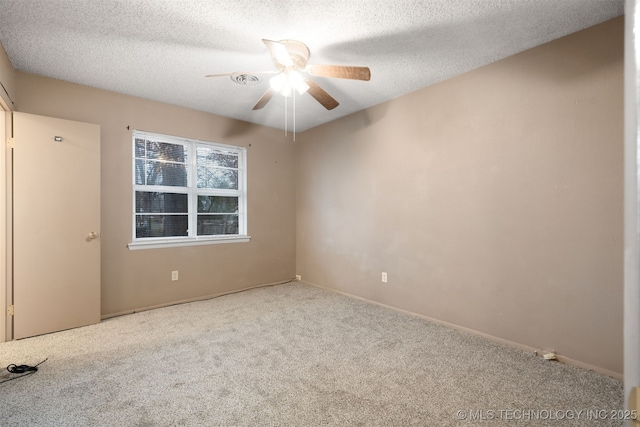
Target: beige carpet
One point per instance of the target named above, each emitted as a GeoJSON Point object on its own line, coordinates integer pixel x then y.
{"type": "Point", "coordinates": [290, 355]}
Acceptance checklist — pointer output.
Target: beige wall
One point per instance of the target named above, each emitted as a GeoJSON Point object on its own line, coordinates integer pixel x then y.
{"type": "Point", "coordinates": [493, 200]}
{"type": "Point", "coordinates": [137, 279]}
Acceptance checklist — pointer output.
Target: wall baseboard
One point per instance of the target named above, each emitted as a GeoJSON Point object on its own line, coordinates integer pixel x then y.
{"type": "Point", "coordinates": [195, 299]}
{"type": "Point", "coordinates": [512, 344]}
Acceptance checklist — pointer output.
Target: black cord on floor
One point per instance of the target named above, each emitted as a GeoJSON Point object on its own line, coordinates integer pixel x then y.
{"type": "Point", "coordinates": [22, 369]}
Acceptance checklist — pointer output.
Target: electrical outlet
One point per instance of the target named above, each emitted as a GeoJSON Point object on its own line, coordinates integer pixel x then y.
{"type": "Point", "coordinates": [174, 275]}
{"type": "Point", "coordinates": [384, 277]}
{"type": "Point", "coordinates": [298, 277]}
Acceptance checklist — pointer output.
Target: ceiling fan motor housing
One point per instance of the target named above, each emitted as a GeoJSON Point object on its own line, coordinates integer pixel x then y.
{"type": "Point", "coordinates": [298, 51]}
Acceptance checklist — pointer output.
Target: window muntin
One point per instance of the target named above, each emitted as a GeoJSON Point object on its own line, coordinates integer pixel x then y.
{"type": "Point", "coordinates": [187, 189]}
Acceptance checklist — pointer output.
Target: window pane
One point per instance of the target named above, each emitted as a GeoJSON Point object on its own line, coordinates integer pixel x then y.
{"type": "Point", "coordinates": [140, 144]}
{"type": "Point", "coordinates": [166, 151]}
{"type": "Point", "coordinates": [150, 202]}
{"type": "Point", "coordinates": [140, 172]}
{"type": "Point", "coordinates": [172, 174]}
{"type": "Point", "coordinates": [217, 224]}
{"type": "Point", "coordinates": [217, 178]}
{"type": "Point", "coordinates": [216, 158]}
{"type": "Point", "coordinates": [161, 225]}
{"type": "Point", "coordinates": [217, 204]}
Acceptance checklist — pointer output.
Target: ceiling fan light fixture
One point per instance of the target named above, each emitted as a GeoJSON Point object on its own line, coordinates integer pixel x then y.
{"type": "Point", "coordinates": [285, 82]}
{"type": "Point", "coordinates": [302, 88]}
{"type": "Point", "coordinates": [286, 90]}
{"type": "Point", "coordinates": [297, 81]}
{"type": "Point", "coordinates": [278, 82]}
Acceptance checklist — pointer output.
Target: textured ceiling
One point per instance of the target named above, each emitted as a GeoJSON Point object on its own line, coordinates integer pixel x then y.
{"type": "Point", "coordinates": [162, 49]}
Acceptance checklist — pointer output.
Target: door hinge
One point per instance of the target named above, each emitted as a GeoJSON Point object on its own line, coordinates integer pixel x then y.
{"type": "Point", "coordinates": [10, 143]}
{"type": "Point", "coordinates": [10, 310]}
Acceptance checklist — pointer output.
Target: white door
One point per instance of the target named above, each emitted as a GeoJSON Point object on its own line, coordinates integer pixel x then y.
{"type": "Point", "coordinates": [56, 219]}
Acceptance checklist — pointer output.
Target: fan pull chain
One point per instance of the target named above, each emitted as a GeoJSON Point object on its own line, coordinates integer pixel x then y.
{"type": "Point", "coordinates": [285, 116]}
{"type": "Point", "coordinates": [294, 116]}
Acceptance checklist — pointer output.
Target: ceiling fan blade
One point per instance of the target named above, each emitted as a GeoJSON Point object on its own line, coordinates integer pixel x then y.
{"type": "Point", "coordinates": [219, 75]}
{"type": "Point", "coordinates": [242, 72]}
{"type": "Point", "coordinates": [265, 98]}
{"type": "Point", "coordinates": [340, 71]}
{"type": "Point", "coordinates": [279, 53]}
{"type": "Point", "coordinates": [321, 96]}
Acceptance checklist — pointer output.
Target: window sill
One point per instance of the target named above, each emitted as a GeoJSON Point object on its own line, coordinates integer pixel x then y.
{"type": "Point", "coordinates": [178, 242]}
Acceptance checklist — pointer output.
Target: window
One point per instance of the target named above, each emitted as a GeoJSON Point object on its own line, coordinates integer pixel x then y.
{"type": "Point", "coordinates": [187, 192]}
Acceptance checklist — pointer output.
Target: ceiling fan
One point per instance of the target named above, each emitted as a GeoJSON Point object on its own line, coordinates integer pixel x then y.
{"type": "Point", "coordinates": [291, 59]}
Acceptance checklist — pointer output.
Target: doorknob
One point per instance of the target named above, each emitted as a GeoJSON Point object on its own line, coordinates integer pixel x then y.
{"type": "Point", "coordinates": [92, 235]}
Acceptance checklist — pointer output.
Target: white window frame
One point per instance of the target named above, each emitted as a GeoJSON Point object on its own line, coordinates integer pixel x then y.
{"type": "Point", "coordinates": [192, 192]}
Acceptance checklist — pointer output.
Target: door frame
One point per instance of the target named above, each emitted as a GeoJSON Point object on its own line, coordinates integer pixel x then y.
{"type": "Point", "coordinates": [3, 226]}
{"type": "Point", "coordinates": [631, 201]}
{"type": "Point", "coordinates": [6, 236]}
